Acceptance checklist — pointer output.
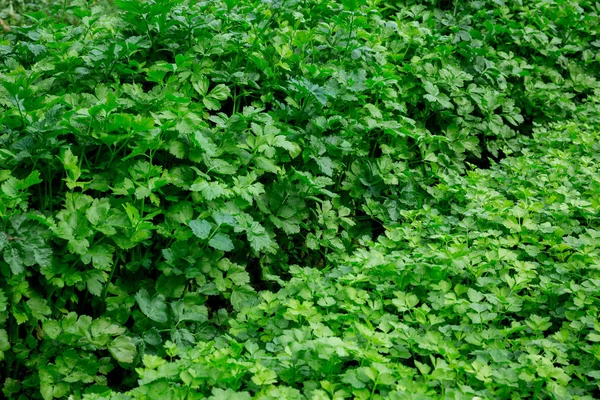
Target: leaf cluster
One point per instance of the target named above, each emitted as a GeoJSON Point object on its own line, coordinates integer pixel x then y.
{"type": "Point", "coordinates": [300, 199]}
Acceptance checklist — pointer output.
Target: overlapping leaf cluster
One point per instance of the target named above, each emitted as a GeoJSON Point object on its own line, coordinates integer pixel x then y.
{"type": "Point", "coordinates": [300, 199]}
{"type": "Point", "coordinates": [496, 298]}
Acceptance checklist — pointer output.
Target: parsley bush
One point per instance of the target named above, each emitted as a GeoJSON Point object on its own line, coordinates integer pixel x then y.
{"type": "Point", "coordinates": [300, 199]}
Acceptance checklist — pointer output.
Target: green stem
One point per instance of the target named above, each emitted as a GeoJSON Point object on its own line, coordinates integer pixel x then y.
{"type": "Point", "coordinates": [236, 97]}
{"type": "Point", "coordinates": [112, 272]}
{"type": "Point", "coordinates": [349, 35]}
{"type": "Point", "coordinates": [19, 109]}
{"type": "Point", "coordinates": [114, 154]}
{"type": "Point", "coordinates": [49, 178]}
{"type": "Point", "coordinates": [14, 334]}
{"type": "Point", "coordinates": [374, 387]}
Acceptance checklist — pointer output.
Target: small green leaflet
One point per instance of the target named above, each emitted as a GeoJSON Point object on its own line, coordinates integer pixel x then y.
{"type": "Point", "coordinates": [71, 165]}
{"type": "Point", "coordinates": [258, 237]}
{"type": "Point", "coordinates": [4, 343]}
{"type": "Point", "coordinates": [123, 349]}
{"type": "Point", "coordinates": [13, 259]}
{"type": "Point", "coordinates": [228, 394]}
{"type": "Point", "coordinates": [243, 296]}
{"type": "Point", "coordinates": [222, 218]}
{"type": "Point", "coordinates": [3, 240]}
{"type": "Point", "coordinates": [154, 308]}
{"type": "Point", "coordinates": [39, 308]}
{"type": "Point", "coordinates": [100, 256]}
{"type": "Point", "coordinates": [3, 301]}
{"type": "Point", "coordinates": [219, 93]}
{"type": "Point", "coordinates": [221, 242]}
{"type": "Point", "coordinates": [52, 328]}
{"type": "Point", "coordinates": [201, 228]}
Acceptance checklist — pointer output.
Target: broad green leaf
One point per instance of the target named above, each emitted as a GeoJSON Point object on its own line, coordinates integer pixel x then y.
{"type": "Point", "coordinates": [228, 394]}
{"type": "Point", "coordinates": [210, 190]}
{"type": "Point", "coordinates": [4, 343]}
{"type": "Point", "coordinates": [52, 328]}
{"type": "Point", "coordinates": [71, 165]}
{"type": "Point", "coordinates": [123, 349]}
{"type": "Point", "coordinates": [39, 308]}
{"type": "Point", "coordinates": [3, 301]}
{"type": "Point", "coordinates": [220, 92]}
{"type": "Point", "coordinates": [13, 259]}
{"type": "Point", "coordinates": [243, 296]}
{"type": "Point", "coordinates": [221, 241]}
{"type": "Point", "coordinates": [104, 326]}
{"type": "Point", "coordinates": [201, 85]}
{"type": "Point", "coordinates": [3, 240]}
{"type": "Point", "coordinates": [259, 239]}
{"type": "Point", "coordinates": [224, 219]}
{"type": "Point", "coordinates": [101, 256]}
{"type": "Point", "coordinates": [154, 308]}
{"type": "Point", "coordinates": [201, 228]}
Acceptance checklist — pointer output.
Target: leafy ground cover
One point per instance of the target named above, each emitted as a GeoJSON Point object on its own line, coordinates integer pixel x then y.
{"type": "Point", "coordinates": [300, 199]}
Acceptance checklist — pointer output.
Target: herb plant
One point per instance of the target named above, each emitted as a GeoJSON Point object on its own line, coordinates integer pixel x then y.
{"type": "Point", "coordinates": [300, 199]}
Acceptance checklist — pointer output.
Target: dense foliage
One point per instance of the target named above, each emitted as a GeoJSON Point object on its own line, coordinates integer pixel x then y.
{"type": "Point", "coordinates": [300, 199]}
